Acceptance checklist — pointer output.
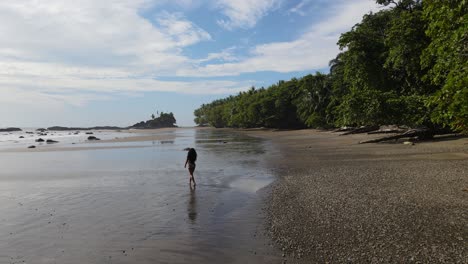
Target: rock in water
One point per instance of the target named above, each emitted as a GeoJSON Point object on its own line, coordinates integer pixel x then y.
{"type": "Point", "coordinates": [51, 141]}
{"type": "Point", "coordinates": [32, 146]}
{"type": "Point", "coordinates": [93, 138]}
{"type": "Point", "coordinates": [39, 140]}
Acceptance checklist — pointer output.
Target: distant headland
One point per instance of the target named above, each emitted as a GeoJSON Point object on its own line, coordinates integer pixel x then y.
{"type": "Point", "coordinates": [10, 129]}
{"type": "Point", "coordinates": [164, 120]}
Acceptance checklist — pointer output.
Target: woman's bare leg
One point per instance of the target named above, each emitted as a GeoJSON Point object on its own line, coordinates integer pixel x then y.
{"type": "Point", "coordinates": [191, 176]}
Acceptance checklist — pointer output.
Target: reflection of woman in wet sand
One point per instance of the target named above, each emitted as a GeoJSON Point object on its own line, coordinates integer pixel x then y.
{"type": "Point", "coordinates": [191, 158]}
{"type": "Point", "coordinates": [192, 205]}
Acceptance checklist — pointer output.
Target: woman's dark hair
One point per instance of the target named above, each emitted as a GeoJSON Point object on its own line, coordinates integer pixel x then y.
{"type": "Point", "coordinates": [192, 155]}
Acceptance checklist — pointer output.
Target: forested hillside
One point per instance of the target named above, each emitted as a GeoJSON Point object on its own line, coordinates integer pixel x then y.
{"type": "Point", "coordinates": [404, 65]}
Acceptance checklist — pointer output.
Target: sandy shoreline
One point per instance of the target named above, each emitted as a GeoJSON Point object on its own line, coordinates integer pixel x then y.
{"type": "Point", "coordinates": [337, 201]}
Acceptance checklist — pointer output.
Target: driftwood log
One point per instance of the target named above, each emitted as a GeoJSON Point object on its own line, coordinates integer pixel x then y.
{"type": "Point", "coordinates": [418, 134]}
{"type": "Point", "coordinates": [344, 129]}
{"type": "Point", "coordinates": [361, 130]}
{"type": "Point", "coordinates": [387, 131]}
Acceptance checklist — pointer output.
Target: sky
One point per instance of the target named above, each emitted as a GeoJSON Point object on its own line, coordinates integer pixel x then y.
{"type": "Point", "coordinates": [116, 62]}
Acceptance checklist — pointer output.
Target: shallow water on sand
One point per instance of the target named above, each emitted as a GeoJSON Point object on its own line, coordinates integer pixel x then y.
{"type": "Point", "coordinates": [134, 204]}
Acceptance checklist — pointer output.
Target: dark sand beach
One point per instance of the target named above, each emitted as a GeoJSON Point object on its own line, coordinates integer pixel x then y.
{"type": "Point", "coordinates": [340, 202]}
{"type": "Point", "coordinates": [303, 196]}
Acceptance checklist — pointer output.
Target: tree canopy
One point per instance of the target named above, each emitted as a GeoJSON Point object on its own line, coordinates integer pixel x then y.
{"type": "Point", "coordinates": [404, 65]}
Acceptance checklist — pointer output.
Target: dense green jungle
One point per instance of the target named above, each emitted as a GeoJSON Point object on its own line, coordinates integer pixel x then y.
{"type": "Point", "coordinates": [405, 65]}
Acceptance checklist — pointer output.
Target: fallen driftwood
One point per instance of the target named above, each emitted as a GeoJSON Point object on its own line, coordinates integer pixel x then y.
{"type": "Point", "coordinates": [364, 129]}
{"type": "Point", "coordinates": [418, 134]}
{"type": "Point", "coordinates": [343, 129]}
{"type": "Point", "coordinates": [386, 131]}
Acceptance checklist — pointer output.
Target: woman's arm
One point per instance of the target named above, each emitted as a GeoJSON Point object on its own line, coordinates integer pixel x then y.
{"type": "Point", "coordinates": [185, 166]}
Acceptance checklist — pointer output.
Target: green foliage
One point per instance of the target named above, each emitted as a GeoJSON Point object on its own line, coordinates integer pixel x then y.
{"type": "Point", "coordinates": [314, 97]}
{"type": "Point", "coordinates": [446, 57]}
{"type": "Point", "coordinates": [164, 120]}
{"type": "Point", "coordinates": [404, 65]}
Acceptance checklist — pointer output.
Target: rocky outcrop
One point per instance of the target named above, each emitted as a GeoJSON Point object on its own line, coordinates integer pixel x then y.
{"type": "Point", "coordinates": [164, 120]}
{"type": "Point", "coordinates": [10, 129]}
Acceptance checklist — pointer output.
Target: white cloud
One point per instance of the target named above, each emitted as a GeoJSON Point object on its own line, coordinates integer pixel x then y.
{"type": "Point", "coordinates": [88, 32]}
{"type": "Point", "coordinates": [299, 8]}
{"type": "Point", "coordinates": [77, 85]}
{"type": "Point", "coordinates": [346, 17]}
{"type": "Point", "coordinates": [312, 50]}
{"type": "Point", "coordinates": [224, 55]}
{"type": "Point", "coordinates": [244, 13]}
{"type": "Point", "coordinates": [52, 86]}
{"type": "Point", "coordinates": [59, 52]}
{"type": "Point", "coordinates": [182, 31]}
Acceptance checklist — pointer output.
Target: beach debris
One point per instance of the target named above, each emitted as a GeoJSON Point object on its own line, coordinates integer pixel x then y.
{"type": "Point", "coordinates": [32, 146]}
{"type": "Point", "coordinates": [93, 138]}
{"type": "Point", "coordinates": [417, 134]}
{"type": "Point", "coordinates": [50, 141]}
{"type": "Point", "coordinates": [408, 143]}
{"type": "Point", "coordinates": [343, 129]}
{"type": "Point", "coordinates": [40, 140]}
{"type": "Point", "coordinates": [362, 129]}
{"type": "Point", "coordinates": [388, 130]}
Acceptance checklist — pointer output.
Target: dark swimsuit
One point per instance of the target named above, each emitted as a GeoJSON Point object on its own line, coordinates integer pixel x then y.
{"type": "Point", "coordinates": [191, 165]}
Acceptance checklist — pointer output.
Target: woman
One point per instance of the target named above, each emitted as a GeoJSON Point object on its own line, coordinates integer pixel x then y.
{"type": "Point", "coordinates": [191, 158]}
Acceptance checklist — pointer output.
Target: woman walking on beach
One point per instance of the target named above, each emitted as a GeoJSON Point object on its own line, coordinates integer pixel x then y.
{"type": "Point", "coordinates": [191, 158]}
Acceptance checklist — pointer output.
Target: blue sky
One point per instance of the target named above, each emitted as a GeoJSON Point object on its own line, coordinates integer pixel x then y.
{"type": "Point", "coordinates": [115, 62]}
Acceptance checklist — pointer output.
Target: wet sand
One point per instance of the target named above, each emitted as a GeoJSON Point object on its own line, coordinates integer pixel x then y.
{"type": "Point", "coordinates": [128, 200]}
{"type": "Point", "coordinates": [340, 202]}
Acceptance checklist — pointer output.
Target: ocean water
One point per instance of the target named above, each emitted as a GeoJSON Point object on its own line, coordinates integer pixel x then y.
{"type": "Point", "coordinates": [27, 137]}
{"type": "Point", "coordinates": [133, 204]}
